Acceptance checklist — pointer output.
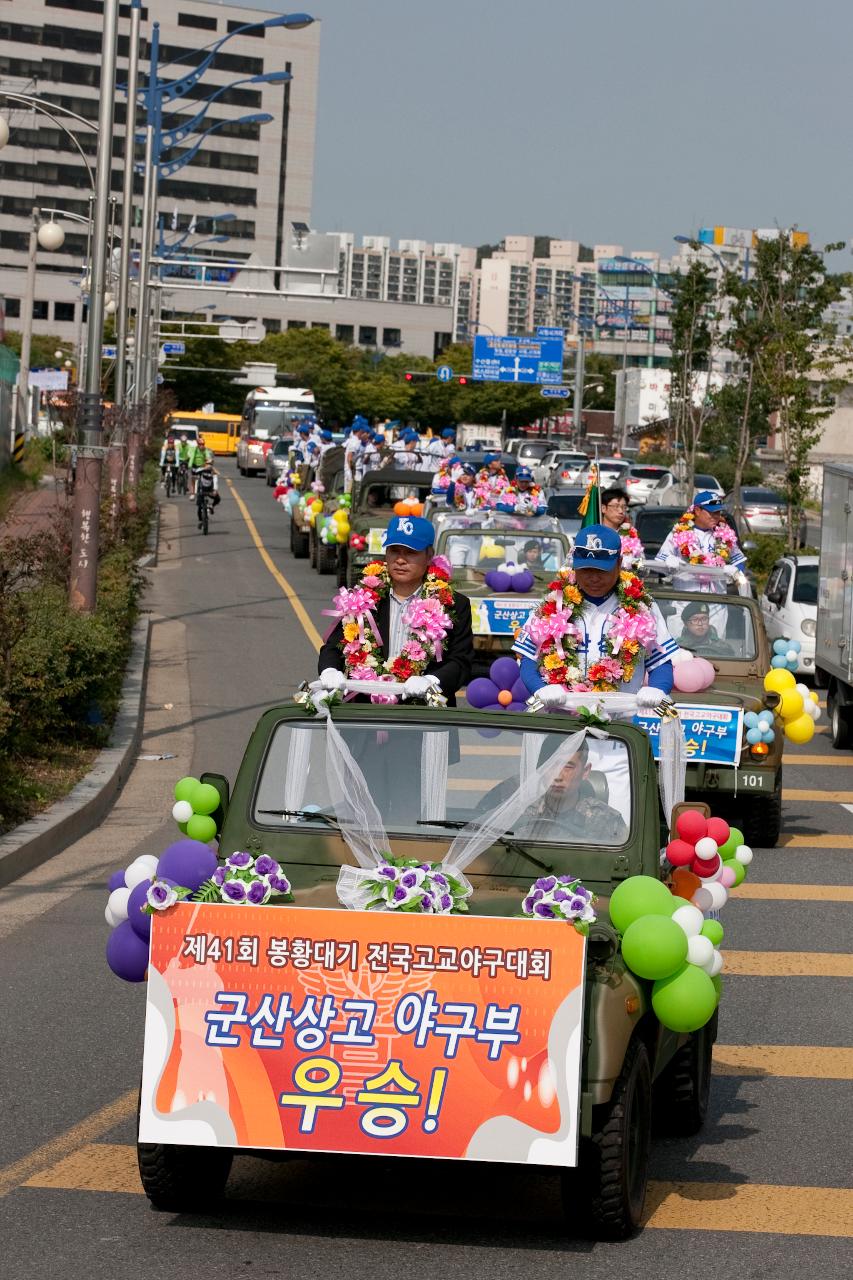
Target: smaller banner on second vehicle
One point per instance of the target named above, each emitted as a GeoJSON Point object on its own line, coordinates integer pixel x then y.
{"type": "Point", "coordinates": [492, 617]}
{"type": "Point", "coordinates": [711, 734]}
{"type": "Point", "coordinates": [379, 1033]}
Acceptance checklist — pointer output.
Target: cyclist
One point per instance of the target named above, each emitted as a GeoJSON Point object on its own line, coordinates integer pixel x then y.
{"type": "Point", "coordinates": [168, 456]}
{"type": "Point", "coordinates": [199, 456]}
{"type": "Point", "coordinates": [183, 448]}
{"type": "Point", "coordinates": [206, 486]}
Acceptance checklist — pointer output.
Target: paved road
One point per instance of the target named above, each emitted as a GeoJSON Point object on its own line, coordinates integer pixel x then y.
{"type": "Point", "coordinates": [764, 1191]}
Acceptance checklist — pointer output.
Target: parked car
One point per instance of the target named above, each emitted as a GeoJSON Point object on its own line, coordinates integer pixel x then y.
{"type": "Point", "coordinates": [566, 464]}
{"type": "Point", "coordinates": [611, 471]}
{"type": "Point", "coordinates": [789, 605]}
{"type": "Point", "coordinates": [764, 511]}
{"type": "Point", "coordinates": [643, 481]}
{"type": "Point", "coordinates": [563, 503]}
{"type": "Point", "coordinates": [703, 482]}
{"type": "Point", "coordinates": [276, 460]}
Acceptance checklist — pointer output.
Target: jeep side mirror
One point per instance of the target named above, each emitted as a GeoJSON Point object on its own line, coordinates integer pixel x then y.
{"type": "Point", "coordinates": [222, 785]}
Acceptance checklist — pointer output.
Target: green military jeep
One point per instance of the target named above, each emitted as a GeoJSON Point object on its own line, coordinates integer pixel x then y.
{"type": "Point", "coordinates": [372, 507]}
{"type": "Point", "coordinates": [739, 781]}
{"type": "Point", "coordinates": [476, 544]}
{"type": "Point", "coordinates": [322, 483]}
{"type": "Point", "coordinates": [604, 826]}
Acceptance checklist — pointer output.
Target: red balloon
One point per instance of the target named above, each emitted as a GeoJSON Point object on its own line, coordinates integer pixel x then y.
{"type": "Point", "coordinates": [718, 830]}
{"type": "Point", "coordinates": [680, 853]}
{"type": "Point", "coordinates": [691, 826]}
{"type": "Point", "coordinates": [704, 869]}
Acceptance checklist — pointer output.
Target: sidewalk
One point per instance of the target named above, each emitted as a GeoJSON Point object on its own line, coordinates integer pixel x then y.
{"type": "Point", "coordinates": [35, 510]}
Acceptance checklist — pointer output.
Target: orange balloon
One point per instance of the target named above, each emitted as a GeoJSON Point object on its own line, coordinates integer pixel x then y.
{"type": "Point", "coordinates": [401, 508]}
{"type": "Point", "coordinates": [417, 508]}
{"type": "Point", "coordinates": [684, 883]}
{"type": "Point", "coordinates": [504, 697]}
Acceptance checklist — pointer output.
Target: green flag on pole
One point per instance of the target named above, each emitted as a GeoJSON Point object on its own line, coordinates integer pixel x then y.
{"type": "Point", "coordinates": [590, 507]}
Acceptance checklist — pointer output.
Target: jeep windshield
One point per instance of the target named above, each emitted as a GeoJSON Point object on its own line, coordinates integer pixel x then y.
{"type": "Point", "coordinates": [427, 783]}
{"type": "Point", "coordinates": [381, 497]}
{"type": "Point", "coordinates": [472, 553]}
{"type": "Point", "coordinates": [713, 627]}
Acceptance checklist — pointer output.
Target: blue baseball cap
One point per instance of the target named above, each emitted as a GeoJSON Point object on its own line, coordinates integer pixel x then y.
{"type": "Point", "coordinates": [596, 547]}
{"type": "Point", "coordinates": [708, 500]}
{"type": "Point", "coordinates": [410, 435]}
{"type": "Point", "coordinates": [468, 469]}
{"type": "Point", "coordinates": [325, 434]}
{"type": "Point", "coordinates": [378, 438]}
{"type": "Point", "coordinates": [448, 433]}
{"type": "Point", "coordinates": [523, 473]}
{"type": "Point", "coordinates": [409, 531]}
{"type": "Point", "coordinates": [304, 429]}
{"type": "Point", "coordinates": [491, 457]}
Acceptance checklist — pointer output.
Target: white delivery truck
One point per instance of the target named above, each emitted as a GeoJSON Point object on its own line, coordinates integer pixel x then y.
{"type": "Point", "coordinates": [834, 639]}
{"type": "Point", "coordinates": [475, 435]}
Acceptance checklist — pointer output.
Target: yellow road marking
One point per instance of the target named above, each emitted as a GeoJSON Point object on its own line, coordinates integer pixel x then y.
{"type": "Point", "coordinates": [680, 1206]}
{"type": "Point", "coordinates": [795, 1061]}
{"type": "Point", "coordinates": [818, 797]}
{"type": "Point", "coordinates": [293, 599]}
{"type": "Point", "coordinates": [727, 1206]}
{"type": "Point", "coordinates": [789, 964]}
{"type": "Point", "coordinates": [825, 761]}
{"type": "Point", "coordinates": [794, 892]}
{"type": "Point", "coordinates": [12, 1175]}
{"type": "Point", "coordinates": [817, 841]}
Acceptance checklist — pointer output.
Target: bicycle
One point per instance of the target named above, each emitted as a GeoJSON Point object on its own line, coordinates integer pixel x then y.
{"type": "Point", "coordinates": [183, 478]}
{"type": "Point", "coordinates": [171, 480]}
{"type": "Point", "coordinates": [205, 511]}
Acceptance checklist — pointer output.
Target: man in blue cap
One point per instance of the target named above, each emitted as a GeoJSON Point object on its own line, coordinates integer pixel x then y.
{"type": "Point", "coordinates": [597, 563]}
{"type": "Point", "coordinates": [700, 537]}
{"type": "Point", "coordinates": [460, 492]}
{"type": "Point", "coordinates": [492, 479]}
{"type": "Point", "coordinates": [440, 447]}
{"type": "Point", "coordinates": [523, 497]}
{"type": "Point", "coordinates": [353, 449]}
{"type": "Point", "coordinates": [408, 553]}
{"type": "Point", "coordinates": [407, 455]}
{"type": "Point", "coordinates": [300, 443]}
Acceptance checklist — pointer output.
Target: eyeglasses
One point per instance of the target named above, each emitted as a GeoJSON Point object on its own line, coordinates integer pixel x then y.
{"type": "Point", "coordinates": [616, 502]}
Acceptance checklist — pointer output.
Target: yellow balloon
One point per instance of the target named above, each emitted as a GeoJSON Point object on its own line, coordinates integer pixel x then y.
{"type": "Point", "coordinates": [779, 679]}
{"type": "Point", "coordinates": [800, 730]}
{"type": "Point", "coordinates": [790, 704]}
{"type": "Point", "coordinates": [815, 696]}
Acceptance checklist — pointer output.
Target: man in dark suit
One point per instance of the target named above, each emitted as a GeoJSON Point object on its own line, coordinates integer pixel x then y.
{"type": "Point", "coordinates": [408, 552]}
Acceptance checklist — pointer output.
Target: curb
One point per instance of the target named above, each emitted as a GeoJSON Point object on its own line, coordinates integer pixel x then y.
{"type": "Point", "coordinates": [86, 806]}
{"type": "Point", "coordinates": [148, 560]}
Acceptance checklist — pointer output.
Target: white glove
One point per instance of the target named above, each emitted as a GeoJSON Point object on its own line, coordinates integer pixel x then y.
{"type": "Point", "coordinates": [552, 695]}
{"type": "Point", "coordinates": [332, 680]}
{"type": "Point", "coordinates": [649, 699]}
{"type": "Point", "coordinates": [419, 686]}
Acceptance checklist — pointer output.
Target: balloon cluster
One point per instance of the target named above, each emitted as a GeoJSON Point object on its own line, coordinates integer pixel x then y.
{"type": "Point", "coordinates": [195, 802]}
{"type": "Point", "coordinates": [149, 884]}
{"type": "Point", "coordinates": [502, 690]}
{"type": "Point", "coordinates": [357, 541]}
{"type": "Point", "coordinates": [713, 853]}
{"type": "Point", "coordinates": [798, 705]}
{"type": "Point", "coordinates": [691, 674]}
{"type": "Point", "coordinates": [312, 509]}
{"type": "Point", "coordinates": [336, 530]}
{"type": "Point", "coordinates": [786, 655]}
{"type": "Point", "coordinates": [759, 727]}
{"type": "Point", "coordinates": [510, 576]}
{"type": "Point", "coordinates": [408, 507]}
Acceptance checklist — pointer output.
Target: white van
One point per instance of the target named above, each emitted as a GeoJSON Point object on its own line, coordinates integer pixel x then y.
{"type": "Point", "coordinates": [789, 605]}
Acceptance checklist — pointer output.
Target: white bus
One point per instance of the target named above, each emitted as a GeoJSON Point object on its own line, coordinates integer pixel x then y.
{"type": "Point", "coordinates": [270, 413]}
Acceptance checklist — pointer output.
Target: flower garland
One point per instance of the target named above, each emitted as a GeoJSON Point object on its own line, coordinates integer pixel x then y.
{"type": "Point", "coordinates": [524, 503]}
{"type": "Point", "coordinates": [490, 486]}
{"type": "Point", "coordinates": [428, 618]}
{"type": "Point", "coordinates": [556, 631]}
{"type": "Point", "coordinates": [404, 884]}
{"type": "Point", "coordinates": [633, 551]}
{"type": "Point", "coordinates": [560, 898]}
{"type": "Point", "coordinates": [688, 546]}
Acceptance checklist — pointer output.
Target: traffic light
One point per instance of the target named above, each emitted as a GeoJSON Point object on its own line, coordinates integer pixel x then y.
{"type": "Point", "coordinates": [463, 380]}
{"type": "Point", "coordinates": [417, 375]}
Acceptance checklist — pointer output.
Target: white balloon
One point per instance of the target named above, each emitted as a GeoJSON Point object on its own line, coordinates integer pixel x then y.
{"type": "Point", "coordinates": [182, 811]}
{"type": "Point", "coordinates": [811, 709]}
{"type": "Point", "coordinates": [117, 903]}
{"type": "Point", "coordinates": [700, 951]}
{"type": "Point", "coordinates": [818, 711]}
{"type": "Point", "coordinates": [707, 849]}
{"type": "Point", "coordinates": [743, 855]}
{"type": "Point", "coordinates": [792, 655]}
{"type": "Point", "coordinates": [719, 896]}
{"type": "Point", "coordinates": [702, 899]}
{"type": "Point", "coordinates": [110, 916]}
{"type": "Point", "coordinates": [805, 691]}
{"type": "Point", "coordinates": [136, 873]}
{"type": "Point", "coordinates": [682, 655]}
{"type": "Point", "coordinates": [716, 966]}
{"type": "Point", "coordinates": [689, 918]}
{"type": "Point", "coordinates": [150, 860]}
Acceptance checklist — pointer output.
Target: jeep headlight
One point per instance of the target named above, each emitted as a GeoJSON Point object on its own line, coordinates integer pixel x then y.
{"type": "Point", "coordinates": [808, 627]}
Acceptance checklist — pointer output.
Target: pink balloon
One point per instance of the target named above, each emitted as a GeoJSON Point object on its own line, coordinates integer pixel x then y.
{"type": "Point", "coordinates": [688, 677]}
{"type": "Point", "coordinates": [708, 672]}
{"type": "Point", "coordinates": [727, 877]}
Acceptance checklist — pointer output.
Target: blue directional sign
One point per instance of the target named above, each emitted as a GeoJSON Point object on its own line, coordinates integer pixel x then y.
{"type": "Point", "coordinates": [509, 359]}
{"type": "Point", "coordinates": [174, 348]}
{"type": "Point", "coordinates": [108, 352]}
{"type": "Point", "coordinates": [546, 331]}
{"type": "Point", "coordinates": [444, 373]}
{"type": "Point", "coordinates": [558, 393]}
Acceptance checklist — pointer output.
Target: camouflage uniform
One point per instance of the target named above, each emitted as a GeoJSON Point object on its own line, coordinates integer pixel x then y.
{"type": "Point", "coordinates": [586, 820]}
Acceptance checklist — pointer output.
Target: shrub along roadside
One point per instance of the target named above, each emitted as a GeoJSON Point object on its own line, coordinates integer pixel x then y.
{"type": "Point", "coordinates": [61, 672]}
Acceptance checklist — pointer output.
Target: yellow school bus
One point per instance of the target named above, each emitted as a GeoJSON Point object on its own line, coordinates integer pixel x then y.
{"type": "Point", "coordinates": [221, 431]}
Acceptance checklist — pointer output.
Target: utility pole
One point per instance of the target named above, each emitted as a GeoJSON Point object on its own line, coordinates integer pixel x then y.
{"type": "Point", "coordinates": [580, 361]}
{"type": "Point", "coordinates": [27, 326]}
{"type": "Point", "coordinates": [85, 532]}
{"type": "Point", "coordinates": [123, 310]}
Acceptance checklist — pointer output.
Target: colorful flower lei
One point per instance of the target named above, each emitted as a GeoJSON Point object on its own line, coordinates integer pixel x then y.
{"type": "Point", "coordinates": [633, 551]}
{"type": "Point", "coordinates": [428, 619]}
{"type": "Point", "coordinates": [555, 629]}
{"type": "Point", "coordinates": [688, 546]}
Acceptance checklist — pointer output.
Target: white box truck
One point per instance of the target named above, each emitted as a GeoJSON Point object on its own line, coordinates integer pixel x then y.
{"type": "Point", "coordinates": [834, 638]}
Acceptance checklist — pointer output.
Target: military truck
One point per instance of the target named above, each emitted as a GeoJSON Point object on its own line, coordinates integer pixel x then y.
{"type": "Point", "coordinates": [372, 507]}
{"type": "Point", "coordinates": [328, 472]}
{"type": "Point", "coordinates": [627, 1067]}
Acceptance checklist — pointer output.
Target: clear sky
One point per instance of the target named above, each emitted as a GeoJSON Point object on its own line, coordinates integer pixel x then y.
{"type": "Point", "coordinates": [619, 121]}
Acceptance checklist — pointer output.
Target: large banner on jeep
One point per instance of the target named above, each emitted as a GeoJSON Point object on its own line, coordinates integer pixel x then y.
{"type": "Point", "coordinates": [386, 1033]}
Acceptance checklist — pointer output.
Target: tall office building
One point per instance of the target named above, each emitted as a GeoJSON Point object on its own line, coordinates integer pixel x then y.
{"type": "Point", "coordinates": [262, 174]}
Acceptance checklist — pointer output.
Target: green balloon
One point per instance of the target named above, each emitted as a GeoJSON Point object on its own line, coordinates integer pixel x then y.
{"type": "Point", "coordinates": [686, 1000]}
{"type": "Point", "coordinates": [734, 841]}
{"type": "Point", "coordinates": [205, 798]}
{"type": "Point", "coordinates": [182, 826]}
{"type": "Point", "coordinates": [738, 868]}
{"type": "Point", "coordinates": [718, 987]}
{"type": "Point", "coordinates": [201, 827]}
{"type": "Point", "coordinates": [640, 896]}
{"type": "Point", "coordinates": [654, 946]}
{"type": "Point", "coordinates": [714, 930]}
{"type": "Point", "coordinates": [185, 788]}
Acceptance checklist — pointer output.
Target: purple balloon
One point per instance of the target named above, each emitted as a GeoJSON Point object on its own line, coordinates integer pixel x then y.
{"type": "Point", "coordinates": [187, 862]}
{"type": "Point", "coordinates": [523, 581]}
{"type": "Point", "coordinates": [504, 672]}
{"type": "Point", "coordinates": [481, 692]}
{"type": "Point", "coordinates": [139, 919]}
{"type": "Point", "coordinates": [497, 580]}
{"type": "Point", "coordinates": [127, 954]}
{"type": "Point", "coordinates": [116, 881]}
{"type": "Point", "coordinates": [520, 692]}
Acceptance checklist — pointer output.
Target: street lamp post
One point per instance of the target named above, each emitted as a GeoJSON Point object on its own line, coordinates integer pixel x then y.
{"type": "Point", "coordinates": [122, 311]}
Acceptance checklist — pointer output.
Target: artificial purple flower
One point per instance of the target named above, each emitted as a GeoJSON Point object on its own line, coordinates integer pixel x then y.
{"type": "Point", "coordinates": [527, 905]}
{"type": "Point", "coordinates": [445, 902]}
{"type": "Point", "coordinates": [387, 872]}
{"type": "Point", "coordinates": [577, 903]}
{"type": "Point", "coordinates": [258, 893]}
{"type": "Point", "coordinates": [440, 880]}
{"type": "Point", "coordinates": [279, 884]}
{"type": "Point", "coordinates": [537, 894]}
{"type": "Point", "coordinates": [400, 895]}
{"type": "Point", "coordinates": [219, 875]}
{"type": "Point", "coordinates": [233, 891]}
{"type": "Point", "coordinates": [266, 866]}
{"type": "Point", "coordinates": [412, 879]}
{"type": "Point", "coordinates": [427, 903]}
{"type": "Point", "coordinates": [239, 861]}
{"type": "Point", "coordinates": [546, 883]}
{"type": "Point", "coordinates": [544, 910]}
{"type": "Point", "coordinates": [560, 895]}
{"type": "Point", "coordinates": [161, 895]}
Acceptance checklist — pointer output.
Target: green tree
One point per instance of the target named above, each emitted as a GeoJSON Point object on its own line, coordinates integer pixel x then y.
{"type": "Point", "coordinates": [42, 349]}
{"type": "Point", "coordinates": [696, 319]}
{"type": "Point", "coordinates": [199, 379]}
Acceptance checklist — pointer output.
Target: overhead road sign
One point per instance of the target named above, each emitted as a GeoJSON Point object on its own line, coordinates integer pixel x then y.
{"type": "Point", "coordinates": [559, 393]}
{"type": "Point", "coordinates": [512, 359]}
{"type": "Point", "coordinates": [444, 373]}
{"type": "Point", "coordinates": [549, 331]}
{"type": "Point", "coordinates": [174, 348]}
